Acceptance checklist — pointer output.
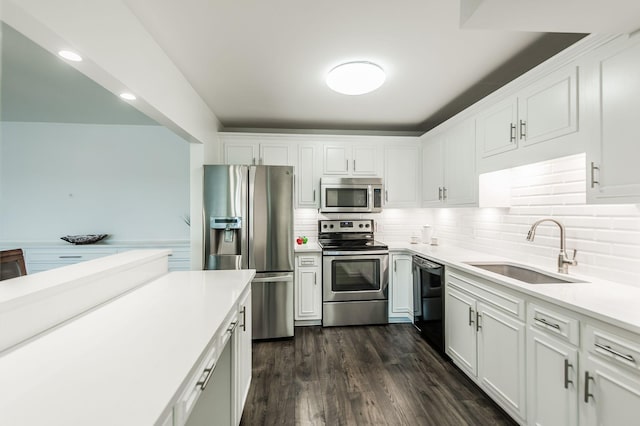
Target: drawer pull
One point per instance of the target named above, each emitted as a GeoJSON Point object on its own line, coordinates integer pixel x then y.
{"type": "Point", "coordinates": [547, 323]}
{"type": "Point", "coordinates": [70, 257]}
{"type": "Point", "coordinates": [203, 383]}
{"type": "Point", "coordinates": [470, 316]}
{"type": "Point", "coordinates": [232, 327]}
{"type": "Point", "coordinates": [616, 353]}
{"type": "Point", "coordinates": [567, 366]}
{"type": "Point", "coordinates": [478, 318]}
{"type": "Point", "coordinates": [244, 318]}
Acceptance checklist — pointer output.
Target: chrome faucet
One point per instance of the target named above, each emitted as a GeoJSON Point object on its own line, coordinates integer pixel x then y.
{"type": "Point", "coordinates": [563, 260]}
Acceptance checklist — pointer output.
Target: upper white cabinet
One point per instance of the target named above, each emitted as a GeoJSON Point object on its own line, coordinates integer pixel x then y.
{"type": "Point", "coordinates": [544, 110]}
{"type": "Point", "coordinates": [613, 175]}
{"type": "Point", "coordinates": [308, 174]}
{"type": "Point", "coordinates": [347, 159]}
{"type": "Point", "coordinates": [402, 175]}
{"type": "Point", "coordinates": [256, 149]}
{"type": "Point", "coordinates": [449, 167]}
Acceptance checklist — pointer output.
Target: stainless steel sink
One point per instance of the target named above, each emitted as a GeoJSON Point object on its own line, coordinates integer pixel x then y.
{"type": "Point", "coordinates": [522, 273]}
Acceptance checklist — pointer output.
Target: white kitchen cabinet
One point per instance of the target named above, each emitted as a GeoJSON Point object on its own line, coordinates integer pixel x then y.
{"type": "Point", "coordinates": [449, 168]}
{"type": "Point", "coordinates": [401, 288]}
{"type": "Point", "coordinates": [552, 380]}
{"type": "Point", "coordinates": [542, 111]}
{"type": "Point", "coordinates": [612, 156]}
{"type": "Point", "coordinates": [485, 337]}
{"type": "Point", "coordinates": [307, 174]}
{"type": "Point", "coordinates": [348, 159]}
{"type": "Point", "coordinates": [402, 175]}
{"type": "Point", "coordinates": [40, 259]}
{"type": "Point", "coordinates": [308, 289]}
{"type": "Point", "coordinates": [243, 355]}
{"type": "Point", "coordinates": [257, 149]}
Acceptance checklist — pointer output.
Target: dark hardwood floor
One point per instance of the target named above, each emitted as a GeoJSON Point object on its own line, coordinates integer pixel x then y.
{"type": "Point", "coordinates": [374, 375]}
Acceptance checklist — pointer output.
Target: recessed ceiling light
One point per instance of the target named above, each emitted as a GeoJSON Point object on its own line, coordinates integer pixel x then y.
{"type": "Point", "coordinates": [128, 96]}
{"type": "Point", "coordinates": [355, 78]}
{"type": "Point", "coordinates": [72, 56]}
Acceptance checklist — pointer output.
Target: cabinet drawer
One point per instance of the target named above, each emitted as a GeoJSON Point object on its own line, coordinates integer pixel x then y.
{"type": "Point", "coordinates": [476, 286]}
{"type": "Point", "coordinates": [308, 261]}
{"type": "Point", "coordinates": [623, 351]}
{"type": "Point", "coordinates": [554, 323]}
{"type": "Point", "coordinates": [67, 255]}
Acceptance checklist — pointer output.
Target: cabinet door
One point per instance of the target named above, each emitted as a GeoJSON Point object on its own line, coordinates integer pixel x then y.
{"type": "Point", "coordinates": [497, 128]}
{"type": "Point", "coordinates": [401, 291]}
{"type": "Point", "coordinates": [308, 293]}
{"type": "Point", "coordinates": [460, 330]}
{"type": "Point", "coordinates": [364, 161]}
{"type": "Point", "coordinates": [432, 172]}
{"type": "Point", "coordinates": [612, 159]}
{"type": "Point", "coordinates": [243, 355]}
{"type": "Point", "coordinates": [501, 358]}
{"type": "Point", "coordinates": [307, 176]}
{"type": "Point", "coordinates": [549, 108]}
{"type": "Point", "coordinates": [275, 155]}
{"type": "Point", "coordinates": [241, 153]}
{"type": "Point", "coordinates": [336, 159]}
{"type": "Point", "coordinates": [401, 176]}
{"type": "Point", "coordinates": [460, 179]}
{"type": "Point", "coordinates": [552, 381]}
{"type": "Point", "coordinates": [613, 394]}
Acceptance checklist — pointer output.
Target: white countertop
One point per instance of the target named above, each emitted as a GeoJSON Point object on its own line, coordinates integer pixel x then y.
{"type": "Point", "coordinates": [309, 247]}
{"type": "Point", "coordinates": [122, 363]}
{"type": "Point", "coordinates": [615, 303]}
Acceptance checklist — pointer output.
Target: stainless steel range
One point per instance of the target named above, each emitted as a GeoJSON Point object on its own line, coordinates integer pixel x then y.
{"type": "Point", "coordinates": [355, 273]}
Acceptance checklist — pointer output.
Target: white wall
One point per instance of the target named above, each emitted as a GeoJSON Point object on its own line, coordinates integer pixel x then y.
{"type": "Point", "coordinates": [128, 181]}
{"type": "Point", "coordinates": [607, 237]}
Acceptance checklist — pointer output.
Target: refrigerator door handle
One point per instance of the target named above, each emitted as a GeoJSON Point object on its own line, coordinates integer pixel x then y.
{"type": "Point", "coordinates": [252, 191]}
{"type": "Point", "coordinates": [273, 279]}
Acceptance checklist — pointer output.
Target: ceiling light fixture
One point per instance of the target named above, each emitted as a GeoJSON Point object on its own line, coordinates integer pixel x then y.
{"type": "Point", "coordinates": [72, 56]}
{"type": "Point", "coordinates": [128, 96]}
{"type": "Point", "coordinates": [355, 78]}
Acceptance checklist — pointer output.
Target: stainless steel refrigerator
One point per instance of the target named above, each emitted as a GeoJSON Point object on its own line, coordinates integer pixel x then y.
{"type": "Point", "coordinates": [248, 224]}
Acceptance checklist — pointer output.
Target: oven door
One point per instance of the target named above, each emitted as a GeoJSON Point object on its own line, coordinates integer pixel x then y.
{"type": "Point", "coordinates": [355, 275]}
{"type": "Point", "coordinates": [342, 198]}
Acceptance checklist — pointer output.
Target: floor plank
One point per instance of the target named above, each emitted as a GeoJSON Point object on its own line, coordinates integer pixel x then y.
{"type": "Point", "coordinates": [371, 375]}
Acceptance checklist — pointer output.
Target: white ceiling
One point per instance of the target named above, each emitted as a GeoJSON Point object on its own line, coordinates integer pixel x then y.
{"type": "Point", "coordinates": [262, 64]}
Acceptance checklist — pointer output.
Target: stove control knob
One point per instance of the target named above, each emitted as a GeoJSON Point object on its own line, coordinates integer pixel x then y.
{"type": "Point", "coordinates": [331, 226]}
{"type": "Point", "coordinates": [361, 226]}
{"type": "Point", "coordinates": [324, 226]}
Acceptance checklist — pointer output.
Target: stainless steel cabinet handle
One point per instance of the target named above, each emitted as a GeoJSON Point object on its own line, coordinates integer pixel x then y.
{"type": "Point", "coordinates": [395, 265]}
{"type": "Point", "coordinates": [354, 165]}
{"type": "Point", "coordinates": [615, 353]}
{"type": "Point", "coordinates": [587, 394]}
{"type": "Point", "coordinates": [203, 383]}
{"type": "Point", "coordinates": [444, 192]}
{"type": "Point", "coordinates": [478, 318]}
{"type": "Point", "coordinates": [386, 195]}
{"type": "Point", "coordinates": [566, 373]}
{"type": "Point", "coordinates": [314, 195]}
{"type": "Point", "coordinates": [244, 318]}
{"type": "Point", "coordinates": [470, 316]}
{"type": "Point", "coordinates": [512, 133]}
{"type": "Point", "coordinates": [69, 257]}
{"type": "Point", "coordinates": [315, 278]}
{"type": "Point", "coordinates": [253, 161]}
{"type": "Point", "coordinates": [593, 175]}
{"type": "Point", "coordinates": [232, 327]}
{"type": "Point", "coordinates": [547, 323]}
{"type": "Point", "coordinates": [440, 193]}
{"type": "Point", "coordinates": [523, 127]}
{"type": "Point", "coordinates": [347, 161]}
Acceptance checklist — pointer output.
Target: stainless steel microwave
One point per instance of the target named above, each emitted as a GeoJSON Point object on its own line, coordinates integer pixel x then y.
{"type": "Point", "coordinates": [350, 195]}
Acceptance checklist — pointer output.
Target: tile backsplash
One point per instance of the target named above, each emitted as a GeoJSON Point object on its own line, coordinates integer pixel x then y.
{"type": "Point", "coordinates": [607, 237]}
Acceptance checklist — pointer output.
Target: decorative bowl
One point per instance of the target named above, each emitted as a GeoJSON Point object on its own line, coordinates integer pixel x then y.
{"type": "Point", "coordinates": [84, 239]}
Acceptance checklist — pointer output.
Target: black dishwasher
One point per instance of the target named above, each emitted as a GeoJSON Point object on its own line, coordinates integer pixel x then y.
{"type": "Point", "coordinates": [428, 301]}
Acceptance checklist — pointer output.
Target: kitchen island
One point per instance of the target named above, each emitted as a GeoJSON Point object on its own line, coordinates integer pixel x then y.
{"type": "Point", "coordinates": [133, 360]}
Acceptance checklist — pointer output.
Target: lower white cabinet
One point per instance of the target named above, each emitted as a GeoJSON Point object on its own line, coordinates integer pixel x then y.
{"type": "Point", "coordinates": [308, 289]}
{"type": "Point", "coordinates": [243, 355]}
{"type": "Point", "coordinates": [485, 337]}
{"type": "Point", "coordinates": [401, 289]}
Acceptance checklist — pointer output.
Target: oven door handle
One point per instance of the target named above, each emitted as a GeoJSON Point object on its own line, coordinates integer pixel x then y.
{"type": "Point", "coordinates": [355, 253]}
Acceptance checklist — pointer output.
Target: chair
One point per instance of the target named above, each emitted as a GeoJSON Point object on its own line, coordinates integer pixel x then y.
{"type": "Point", "coordinates": [12, 264]}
